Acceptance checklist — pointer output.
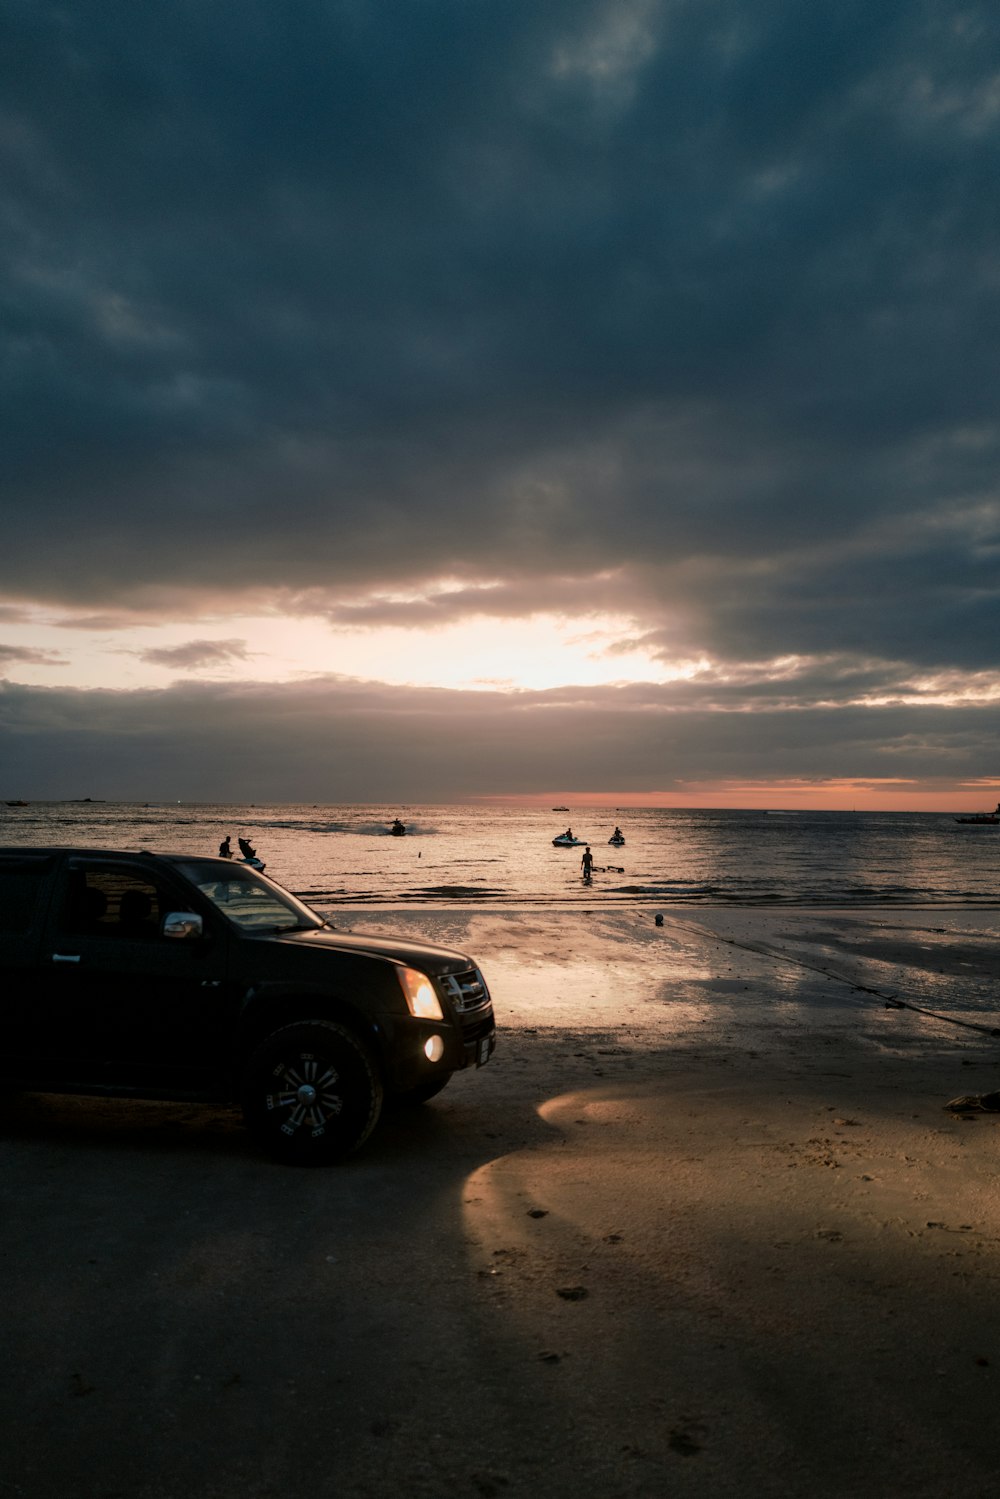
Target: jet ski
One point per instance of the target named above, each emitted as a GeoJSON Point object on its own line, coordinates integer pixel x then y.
{"type": "Point", "coordinates": [565, 840]}
{"type": "Point", "coordinates": [398, 829]}
{"type": "Point", "coordinates": [249, 854]}
{"type": "Point", "coordinates": [617, 842]}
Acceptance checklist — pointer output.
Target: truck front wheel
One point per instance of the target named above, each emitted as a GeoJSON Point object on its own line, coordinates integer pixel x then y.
{"type": "Point", "coordinates": [312, 1093]}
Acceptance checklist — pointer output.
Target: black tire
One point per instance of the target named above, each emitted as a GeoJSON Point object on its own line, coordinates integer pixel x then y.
{"type": "Point", "coordinates": [313, 1094]}
{"type": "Point", "coordinates": [423, 1092]}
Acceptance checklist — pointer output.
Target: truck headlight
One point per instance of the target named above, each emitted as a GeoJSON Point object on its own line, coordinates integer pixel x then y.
{"type": "Point", "coordinates": [421, 996]}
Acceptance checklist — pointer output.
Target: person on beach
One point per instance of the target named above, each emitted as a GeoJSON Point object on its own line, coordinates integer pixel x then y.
{"type": "Point", "coordinates": [587, 862]}
{"type": "Point", "coordinates": [225, 848]}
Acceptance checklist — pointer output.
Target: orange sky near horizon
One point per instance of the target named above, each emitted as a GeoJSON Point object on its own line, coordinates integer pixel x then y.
{"type": "Point", "coordinates": [831, 796]}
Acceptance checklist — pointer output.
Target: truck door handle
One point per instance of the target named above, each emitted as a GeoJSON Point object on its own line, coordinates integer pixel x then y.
{"type": "Point", "coordinates": [65, 957]}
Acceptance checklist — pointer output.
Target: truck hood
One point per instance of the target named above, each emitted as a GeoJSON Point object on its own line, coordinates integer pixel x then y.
{"type": "Point", "coordinates": [414, 954]}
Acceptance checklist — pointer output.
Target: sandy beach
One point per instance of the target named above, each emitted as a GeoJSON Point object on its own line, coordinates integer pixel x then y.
{"type": "Point", "coordinates": [704, 1224]}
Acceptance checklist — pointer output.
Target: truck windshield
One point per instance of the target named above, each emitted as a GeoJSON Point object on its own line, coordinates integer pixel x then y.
{"type": "Point", "coordinates": [251, 903]}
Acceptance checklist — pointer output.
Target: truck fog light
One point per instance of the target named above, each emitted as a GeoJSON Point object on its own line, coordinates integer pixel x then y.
{"type": "Point", "coordinates": [433, 1048]}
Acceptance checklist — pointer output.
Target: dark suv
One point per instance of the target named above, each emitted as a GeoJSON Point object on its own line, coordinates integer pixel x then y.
{"type": "Point", "coordinates": [169, 976]}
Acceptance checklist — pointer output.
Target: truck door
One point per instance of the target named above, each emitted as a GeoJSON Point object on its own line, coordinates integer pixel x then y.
{"type": "Point", "coordinates": [25, 887]}
{"type": "Point", "coordinates": [124, 1006]}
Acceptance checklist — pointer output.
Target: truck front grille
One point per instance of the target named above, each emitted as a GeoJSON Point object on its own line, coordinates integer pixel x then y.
{"type": "Point", "coordinates": [468, 993]}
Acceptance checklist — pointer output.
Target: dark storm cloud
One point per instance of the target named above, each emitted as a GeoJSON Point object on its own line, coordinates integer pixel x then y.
{"type": "Point", "coordinates": [196, 654]}
{"type": "Point", "coordinates": [698, 299]}
{"type": "Point", "coordinates": [336, 740]}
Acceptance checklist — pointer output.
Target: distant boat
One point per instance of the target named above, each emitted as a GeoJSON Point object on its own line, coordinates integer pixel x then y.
{"type": "Point", "coordinates": [560, 809]}
{"type": "Point", "coordinates": [18, 804]}
{"type": "Point", "coordinates": [982, 819]}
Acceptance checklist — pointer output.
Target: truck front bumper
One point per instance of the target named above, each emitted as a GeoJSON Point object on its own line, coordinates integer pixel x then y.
{"type": "Point", "coordinates": [420, 1050]}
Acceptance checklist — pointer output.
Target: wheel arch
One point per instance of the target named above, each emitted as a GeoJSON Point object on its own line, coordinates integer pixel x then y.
{"type": "Point", "coordinates": [269, 1009]}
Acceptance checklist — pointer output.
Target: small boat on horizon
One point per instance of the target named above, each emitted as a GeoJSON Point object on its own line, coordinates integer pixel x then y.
{"type": "Point", "coordinates": [981, 819]}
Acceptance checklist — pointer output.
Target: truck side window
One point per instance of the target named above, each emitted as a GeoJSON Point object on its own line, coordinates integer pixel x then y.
{"type": "Point", "coordinates": [21, 884]}
{"type": "Point", "coordinates": [114, 903]}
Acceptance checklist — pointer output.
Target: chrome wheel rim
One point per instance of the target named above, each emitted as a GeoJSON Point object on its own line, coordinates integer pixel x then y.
{"type": "Point", "coordinates": [305, 1096]}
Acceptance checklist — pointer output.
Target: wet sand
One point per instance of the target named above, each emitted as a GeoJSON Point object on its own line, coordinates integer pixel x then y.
{"type": "Point", "coordinates": [703, 1225]}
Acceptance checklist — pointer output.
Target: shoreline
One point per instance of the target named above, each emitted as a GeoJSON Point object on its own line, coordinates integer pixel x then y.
{"type": "Point", "coordinates": [606, 900]}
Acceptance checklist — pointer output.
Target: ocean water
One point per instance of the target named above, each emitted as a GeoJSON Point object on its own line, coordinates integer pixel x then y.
{"type": "Point", "coordinates": [344, 855]}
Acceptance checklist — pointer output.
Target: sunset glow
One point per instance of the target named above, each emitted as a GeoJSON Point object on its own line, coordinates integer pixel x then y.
{"type": "Point", "coordinates": [831, 796]}
{"type": "Point", "coordinates": [538, 652]}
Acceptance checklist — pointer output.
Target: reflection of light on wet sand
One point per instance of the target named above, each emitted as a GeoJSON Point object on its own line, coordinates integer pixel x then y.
{"type": "Point", "coordinates": [599, 968]}
{"type": "Point", "coordinates": [632, 980]}
{"type": "Point", "coordinates": [931, 958]}
{"type": "Point", "coordinates": [737, 979]}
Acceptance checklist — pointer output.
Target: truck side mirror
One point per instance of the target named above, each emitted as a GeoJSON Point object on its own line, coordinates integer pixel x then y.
{"type": "Point", "coordinates": [183, 924]}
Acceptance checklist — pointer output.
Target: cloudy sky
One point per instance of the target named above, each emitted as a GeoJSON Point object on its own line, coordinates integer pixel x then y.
{"type": "Point", "coordinates": [422, 401]}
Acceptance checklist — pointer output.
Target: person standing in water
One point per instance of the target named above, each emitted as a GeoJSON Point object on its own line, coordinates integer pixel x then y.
{"type": "Point", "coordinates": [587, 862]}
